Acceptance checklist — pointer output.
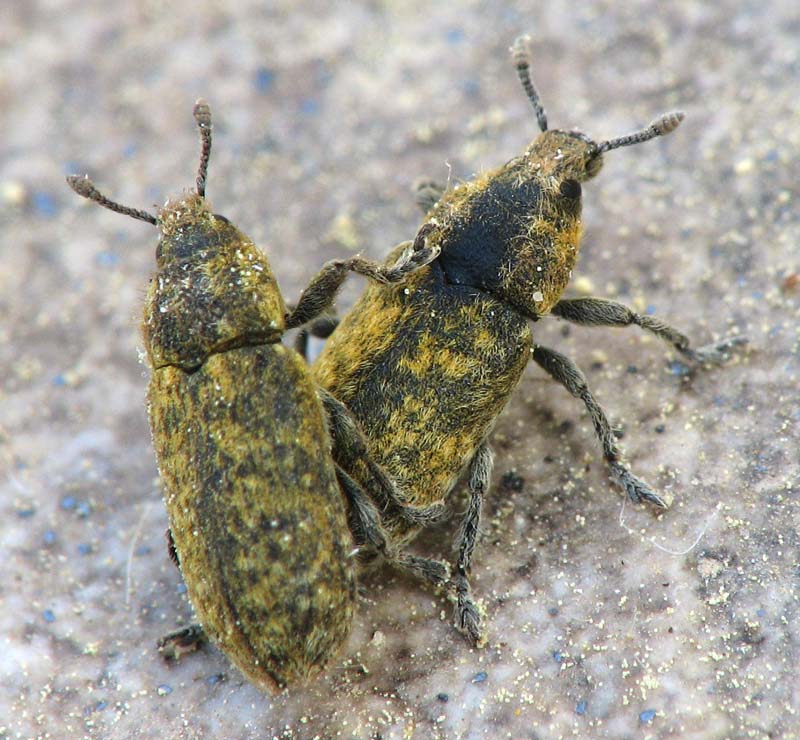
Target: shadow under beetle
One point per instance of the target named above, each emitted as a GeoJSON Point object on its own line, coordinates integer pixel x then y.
{"type": "Point", "coordinates": [427, 367]}
{"type": "Point", "coordinates": [262, 520]}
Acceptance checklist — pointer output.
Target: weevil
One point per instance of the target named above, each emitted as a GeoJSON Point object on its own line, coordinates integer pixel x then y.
{"type": "Point", "coordinates": [427, 367]}
{"type": "Point", "coordinates": [262, 521]}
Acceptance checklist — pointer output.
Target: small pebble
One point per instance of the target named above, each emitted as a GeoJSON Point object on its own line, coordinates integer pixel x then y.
{"type": "Point", "coordinates": [48, 616]}
{"type": "Point", "coordinates": [44, 204]}
{"type": "Point", "coordinates": [512, 481]}
{"type": "Point", "coordinates": [580, 708]}
{"type": "Point", "coordinates": [164, 689]}
{"type": "Point", "coordinates": [648, 715]}
{"type": "Point", "coordinates": [264, 79]}
{"type": "Point", "coordinates": [678, 368]}
{"type": "Point", "coordinates": [68, 503]}
{"type": "Point", "coordinates": [479, 677]}
{"type": "Point", "coordinates": [444, 698]}
{"type": "Point", "coordinates": [13, 193]}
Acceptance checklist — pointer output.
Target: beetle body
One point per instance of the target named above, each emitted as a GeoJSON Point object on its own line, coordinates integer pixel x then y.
{"type": "Point", "coordinates": [262, 520]}
{"type": "Point", "coordinates": [256, 515]}
{"type": "Point", "coordinates": [426, 368]}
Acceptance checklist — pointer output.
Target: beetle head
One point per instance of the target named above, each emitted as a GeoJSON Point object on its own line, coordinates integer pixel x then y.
{"type": "Point", "coordinates": [214, 289]}
{"type": "Point", "coordinates": [572, 154]}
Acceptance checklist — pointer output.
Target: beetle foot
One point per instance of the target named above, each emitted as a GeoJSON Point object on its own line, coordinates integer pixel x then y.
{"type": "Point", "coordinates": [468, 615]}
{"type": "Point", "coordinates": [638, 491]}
{"type": "Point", "coordinates": [175, 645]}
{"type": "Point", "coordinates": [715, 353]}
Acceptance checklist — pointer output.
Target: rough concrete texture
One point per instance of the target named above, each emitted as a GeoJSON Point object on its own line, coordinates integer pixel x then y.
{"type": "Point", "coordinates": [604, 621]}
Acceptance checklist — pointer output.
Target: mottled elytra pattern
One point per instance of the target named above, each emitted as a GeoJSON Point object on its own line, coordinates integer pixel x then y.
{"type": "Point", "coordinates": [427, 369]}
{"type": "Point", "coordinates": [256, 507]}
{"type": "Point", "coordinates": [259, 524]}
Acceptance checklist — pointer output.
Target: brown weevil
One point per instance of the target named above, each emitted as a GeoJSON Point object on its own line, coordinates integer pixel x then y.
{"type": "Point", "coordinates": [262, 521]}
{"type": "Point", "coordinates": [427, 367]}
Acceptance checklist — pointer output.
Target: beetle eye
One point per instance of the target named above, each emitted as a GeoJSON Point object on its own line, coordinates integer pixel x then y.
{"type": "Point", "coordinates": [570, 189]}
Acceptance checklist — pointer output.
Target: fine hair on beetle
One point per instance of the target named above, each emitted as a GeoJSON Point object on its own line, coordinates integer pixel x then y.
{"type": "Point", "coordinates": [264, 522]}
{"type": "Point", "coordinates": [427, 368]}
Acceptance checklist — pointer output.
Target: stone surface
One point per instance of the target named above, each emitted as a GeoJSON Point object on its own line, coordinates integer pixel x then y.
{"type": "Point", "coordinates": [604, 621]}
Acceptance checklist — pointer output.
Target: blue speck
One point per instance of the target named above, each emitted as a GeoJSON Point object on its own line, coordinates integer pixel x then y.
{"type": "Point", "coordinates": [181, 589]}
{"type": "Point", "coordinates": [479, 677]}
{"type": "Point", "coordinates": [741, 281]}
{"type": "Point", "coordinates": [454, 35]}
{"type": "Point", "coordinates": [26, 513]}
{"type": "Point", "coordinates": [762, 612]}
{"type": "Point", "coordinates": [264, 79]}
{"type": "Point", "coordinates": [84, 548]}
{"type": "Point", "coordinates": [68, 503]}
{"type": "Point", "coordinates": [442, 697]}
{"type": "Point", "coordinates": [101, 705]}
{"type": "Point", "coordinates": [130, 149]}
{"type": "Point", "coordinates": [48, 616]}
{"type": "Point", "coordinates": [557, 657]}
{"type": "Point", "coordinates": [309, 106]}
{"type": "Point", "coordinates": [676, 367]}
{"type": "Point", "coordinates": [84, 509]}
{"type": "Point", "coordinates": [44, 204]}
{"type": "Point", "coordinates": [648, 715]}
{"type": "Point", "coordinates": [59, 380]}
{"type": "Point", "coordinates": [553, 611]}
{"type": "Point", "coordinates": [49, 537]}
{"type": "Point", "coordinates": [471, 88]}
{"type": "Point", "coordinates": [650, 310]}
{"type": "Point", "coordinates": [106, 259]}
{"type": "Point", "coordinates": [215, 678]}
{"type": "Point", "coordinates": [581, 708]}
{"type": "Point", "coordinates": [143, 550]}
{"type": "Point", "coordinates": [771, 155]}
{"type": "Point", "coordinates": [164, 689]}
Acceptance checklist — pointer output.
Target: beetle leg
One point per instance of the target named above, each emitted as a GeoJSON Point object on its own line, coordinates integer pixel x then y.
{"type": "Point", "coordinates": [367, 530]}
{"type": "Point", "coordinates": [427, 193]}
{"type": "Point", "coordinates": [566, 372]}
{"type": "Point", "coordinates": [323, 287]}
{"type": "Point", "coordinates": [480, 473]}
{"type": "Point", "coordinates": [321, 328]}
{"type": "Point", "coordinates": [350, 448]}
{"type": "Point", "coordinates": [602, 312]}
{"type": "Point", "coordinates": [186, 640]}
{"type": "Point", "coordinates": [171, 551]}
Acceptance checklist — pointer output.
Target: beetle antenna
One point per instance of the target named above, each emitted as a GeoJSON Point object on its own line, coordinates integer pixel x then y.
{"type": "Point", "coordinates": [661, 126]}
{"type": "Point", "coordinates": [85, 187]}
{"type": "Point", "coordinates": [521, 54]}
{"type": "Point", "coordinates": [202, 114]}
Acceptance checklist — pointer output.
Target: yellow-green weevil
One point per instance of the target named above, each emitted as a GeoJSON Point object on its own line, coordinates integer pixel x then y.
{"type": "Point", "coordinates": [263, 523]}
{"type": "Point", "coordinates": [427, 367]}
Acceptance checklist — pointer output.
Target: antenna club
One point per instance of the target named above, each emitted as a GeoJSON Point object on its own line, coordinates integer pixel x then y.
{"type": "Point", "coordinates": [520, 51]}
{"type": "Point", "coordinates": [202, 113]}
{"type": "Point", "coordinates": [83, 186]}
{"type": "Point", "coordinates": [668, 122]}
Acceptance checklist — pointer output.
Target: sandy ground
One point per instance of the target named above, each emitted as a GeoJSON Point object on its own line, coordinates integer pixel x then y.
{"type": "Point", "coordinates": [604, 621]}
